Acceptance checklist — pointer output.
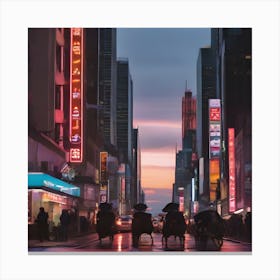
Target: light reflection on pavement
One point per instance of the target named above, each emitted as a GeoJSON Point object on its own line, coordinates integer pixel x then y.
{"type": "Point", "coordinates": [123, 243]}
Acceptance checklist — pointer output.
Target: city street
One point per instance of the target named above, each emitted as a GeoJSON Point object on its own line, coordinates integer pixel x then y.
{"type": "Point", "coordinates": [123, 243]}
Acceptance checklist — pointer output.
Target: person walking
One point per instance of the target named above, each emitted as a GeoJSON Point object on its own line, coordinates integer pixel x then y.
{"type": "Point", "coordinates": [42, 222]}
{"type": "Point", "coordinates": [64, 221]}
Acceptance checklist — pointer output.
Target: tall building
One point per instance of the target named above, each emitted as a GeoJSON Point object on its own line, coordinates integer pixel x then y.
{"type": "Point", "coordinates": [182, 191]}
{"type": "Point", "coordinates": [189, 123]}
{"type": "Point", "coordinates": [136, 190]}
{"type": "Point", "coordinates": [233, 49]}
{"type": "Point", "coordinates": [206, 89]}
{"type": "Point", "coordinates": [107, 85]}
{"type": "Point", "coordinates": [50, 179]}
{"type": "Point", "coordinates": [124, 123]}
{"type": "Point", "coordinates": [124, 111]}
{"type": "Point", "coordinates": [72, 111]}
{"type": "Point", "coordinates": [47, 76]}
{"type": "Point", "coordinates": [107, 106]}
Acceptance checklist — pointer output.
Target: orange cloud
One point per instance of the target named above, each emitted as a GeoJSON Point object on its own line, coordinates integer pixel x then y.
{"type": "Point", "coordinates": [157, 176]}
{"type": "Point", "coordinates": [157, 123]}
{"type": "Point", "coordinates": [158, 157]}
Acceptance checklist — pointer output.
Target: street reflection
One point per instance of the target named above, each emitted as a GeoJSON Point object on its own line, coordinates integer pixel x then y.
{"type": "Point", "coordinates": [119, 243]}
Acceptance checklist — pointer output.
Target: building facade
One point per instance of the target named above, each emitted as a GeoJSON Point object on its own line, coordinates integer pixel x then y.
{"type": "Point", "coordinates": [234, 87]}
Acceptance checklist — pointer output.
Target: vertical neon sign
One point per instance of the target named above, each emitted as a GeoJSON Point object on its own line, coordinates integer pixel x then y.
{"type": "Point", "coordinates": [76, 95]}
{"type": "Point", "coordinates": [103, 177]}
{"type": "Point", "coordinates": [181, 199]}
{"type": "Point", "coordinates": [231, 158]}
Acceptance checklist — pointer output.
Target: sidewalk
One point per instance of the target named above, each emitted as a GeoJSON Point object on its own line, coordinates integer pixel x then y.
{"type": "Point", "coordinates": [71, 242]}
{"type": "Point", "coordinates": [232, 239]}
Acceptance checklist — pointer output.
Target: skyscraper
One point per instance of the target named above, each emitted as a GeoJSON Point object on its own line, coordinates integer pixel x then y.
{"type": "Point", "coordinates": [206, 89]}
{"type": "Point", "coordinates": [124, 111]}
{"type": "Point", "coordinates": [234, 64]}
{"type": "Point", "coordinates": [184, 169]}
{"type": "Point", "coordinates": [124, 120]}
{"type": "Point", "coordinates": [107, 84]}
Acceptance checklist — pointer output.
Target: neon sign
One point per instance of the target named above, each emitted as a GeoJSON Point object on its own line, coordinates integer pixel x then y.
{"type": "Point", "coordinates": [231, 158]}
{"type": "Point", "coordinates": [214, 145]}
{"type": "Point", "coordinates": [214, 128]}
{"type": "Point", "coordinates": [76, 95]}
{"type": "Point", "coordinates": [103, 167]}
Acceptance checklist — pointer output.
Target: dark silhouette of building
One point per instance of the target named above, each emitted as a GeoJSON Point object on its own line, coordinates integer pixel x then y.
{"type": "Point", "coordinates": [233, 50]}
{"type": "Point", "coordinates": [206, 89]}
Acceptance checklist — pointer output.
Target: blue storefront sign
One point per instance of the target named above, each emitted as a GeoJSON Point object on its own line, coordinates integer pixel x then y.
{"type": "Point", "coordinates": [38, 179]}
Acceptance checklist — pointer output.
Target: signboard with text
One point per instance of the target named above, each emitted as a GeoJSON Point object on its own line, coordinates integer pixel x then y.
{"type": "Point", "coordinates": [214, 128]}
{"type": "Point", "coordinates": [214, 145]}
{"type": "Point", "coordinates": [103, 167]}
{"type": "Point", "coordinates": [76, 95]}
{"type": "Point", "coordinates": [103, 177]}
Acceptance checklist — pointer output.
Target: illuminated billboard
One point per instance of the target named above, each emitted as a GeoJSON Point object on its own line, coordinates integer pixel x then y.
{"type": "Point", "coordinates": [76, 95]}
{"type": "Point", "coordinates": [231, 166]}
{"type": "Point", "coordinates": [214, 175]}
{"type": "Point", "coordinates": [103, 194]}
{"type": "Point", "coordinates": [214, 146]}
{"type": "Point", "coordinates": [103, 177]}
{"type": "Point", "coordinates": [39, 179]}
{"type": "Point", "coordinates": [103, 167]}
{"type": "Point", "coordinates": [181, 199]}
{"type": "Point", "coordinates": [214, 128]}
{"type": "Point", "coordinates": [201, 175]}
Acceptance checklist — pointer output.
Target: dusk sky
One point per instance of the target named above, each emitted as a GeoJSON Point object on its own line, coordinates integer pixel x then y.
{"type": "Point", "coordinates": [161, 60]}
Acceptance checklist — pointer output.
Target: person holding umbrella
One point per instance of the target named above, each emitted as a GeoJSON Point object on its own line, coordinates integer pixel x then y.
{"type": "Point", "coordinates": [174, 223]}
{"type": "Point", "coordinates": [141, 223]}
{"type": "Point", "coordinates": [208, 225]}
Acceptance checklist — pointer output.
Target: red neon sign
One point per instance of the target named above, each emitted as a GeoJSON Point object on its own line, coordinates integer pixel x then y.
{"type": "Point", "coordinates": [215, 114]}
{"type": "Point", "coordinates": [231, 156]}
{"type": "Point", "coordinates": [76, 95]}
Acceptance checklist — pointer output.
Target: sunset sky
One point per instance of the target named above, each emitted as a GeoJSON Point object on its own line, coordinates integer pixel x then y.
{"type": "Point", "coordinates": [161, 60]}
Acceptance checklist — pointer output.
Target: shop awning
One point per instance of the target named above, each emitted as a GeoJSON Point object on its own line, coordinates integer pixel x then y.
{"type": "Point", "coordinates": [39, 179]}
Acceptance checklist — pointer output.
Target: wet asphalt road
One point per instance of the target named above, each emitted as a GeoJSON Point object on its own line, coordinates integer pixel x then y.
{"type": "Point", "coordinates": [122, 243]}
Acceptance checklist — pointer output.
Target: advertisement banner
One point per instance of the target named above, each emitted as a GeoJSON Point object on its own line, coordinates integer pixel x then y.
{"type": "Point", "coordinates": [76, 95]}
{"type": "Point", "coordinates": [103, 196]}
{"type": "Point", "coordinates": [181, 199]}
{"type": "Point", "coordinates": [214, 145]}
{"type": "Point", "coordinates": [214, 128]}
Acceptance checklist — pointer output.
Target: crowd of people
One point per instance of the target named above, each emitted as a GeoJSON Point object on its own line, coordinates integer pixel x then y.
{"type": "Point", "coordinates": [44, 225]}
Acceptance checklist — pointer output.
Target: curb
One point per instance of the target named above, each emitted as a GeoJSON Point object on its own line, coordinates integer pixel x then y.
{"type": "Point", "coordinates": [237, 241]}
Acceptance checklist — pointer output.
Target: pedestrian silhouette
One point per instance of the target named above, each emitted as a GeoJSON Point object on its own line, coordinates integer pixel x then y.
{"type": "Point", "coordinates": [42, 222]}
{"type": "Point", "coordinates": [105, 221]}
{"type": "Point", "coordinates": [64, 222]}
